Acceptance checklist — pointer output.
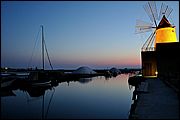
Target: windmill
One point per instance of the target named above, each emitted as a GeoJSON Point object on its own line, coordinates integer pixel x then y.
{"type": "Point", "coordinates": [162, 30]}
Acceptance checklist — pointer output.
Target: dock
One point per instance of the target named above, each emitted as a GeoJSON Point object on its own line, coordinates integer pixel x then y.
{"type": "Point", "coordinates": [155, 100]}
{"type": "Point", "coordinates": [142, 87]}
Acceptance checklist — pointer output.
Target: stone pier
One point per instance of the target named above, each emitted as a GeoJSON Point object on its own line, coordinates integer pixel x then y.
{"type": "Point", "coordinates": [160, 102]}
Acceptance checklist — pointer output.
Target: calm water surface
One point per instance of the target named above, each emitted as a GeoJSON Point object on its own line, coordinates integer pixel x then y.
{"type": "Point", "coordinates": [97, 97]}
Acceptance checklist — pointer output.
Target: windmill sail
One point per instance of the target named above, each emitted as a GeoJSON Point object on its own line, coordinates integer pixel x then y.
{"type": "Point", "coordinates": [142, 26]}
{"type": "Point", "coordinates": [165, 10]}
{"type": "Point", "coordinates": [148, 45]}
{"type": "Point", "coordinates": [151, 10]}
{"type": "Point", "coordinates": [164, 32]}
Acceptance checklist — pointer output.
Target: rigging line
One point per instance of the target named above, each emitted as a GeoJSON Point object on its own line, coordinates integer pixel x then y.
{"type": "Point", "coordinates": [151, 39]}
{"type": "Point", "coordinates": [48, 55]}
{"type": "Point", "coordinates": [33, 49]}
{"type": "Point", "coordinates": [49, 103]}
{"type": "Point", "coordinates": [43, 108]}
{"type": "Point", "coordinates": [28, 100]}
{"type": "Point", "coordinates": [171, 20]}
{"type": "Point", "coordinates": [147, 11]}
{"type": "Point", "coordinates": [170, 12]}
{"type": "Point", "coordinates": [27, 97]}
{"type": "Point", "coordinates": [147, 40]}
{"type": "Point", "coordinates": [42, 47]}
{"type": "Point", "coordinates": [166, 10]}
{"type": "Point", "coordinates": [160, 12]}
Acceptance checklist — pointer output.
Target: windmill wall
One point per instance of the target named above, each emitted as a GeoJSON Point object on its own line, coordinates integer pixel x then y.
{"type": "Point", "coordinates": [165, 35]}
{"type": "Point", "coordinates": [168, 62]}
{"type": "Point", "coordinates": [163, 63]}
{"type": "Point", "coordinates": [149, 64]}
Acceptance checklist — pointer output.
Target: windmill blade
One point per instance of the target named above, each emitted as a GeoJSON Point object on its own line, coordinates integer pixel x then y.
{"type": "Point", "coordinates": [169, 12]}
{"type": "Point", "coordinates": [142, 30]}
{"type": "Point", "coordinates": [165, 10]}
{"type": "Point", "coordinates": [142, 26]}
{"type": "Point", "coordinates": [151, 10]}
{"type": "Point", "coordinates": [149, 42]}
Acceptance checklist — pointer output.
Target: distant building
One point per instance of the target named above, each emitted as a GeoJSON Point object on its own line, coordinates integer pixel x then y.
{"type": "Point", "coordinates": [114, 71]}
{"type": "Point", "coordinates": [84, 70]}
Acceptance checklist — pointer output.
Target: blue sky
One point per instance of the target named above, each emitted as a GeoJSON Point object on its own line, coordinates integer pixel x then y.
{"type": "Point", "coordinates": [90, 33]}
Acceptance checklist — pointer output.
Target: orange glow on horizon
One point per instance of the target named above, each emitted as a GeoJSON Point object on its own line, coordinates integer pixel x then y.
{"type": "Point", "coordinates": [128, 61]}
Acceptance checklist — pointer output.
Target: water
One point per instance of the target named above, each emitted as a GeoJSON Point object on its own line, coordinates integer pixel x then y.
{"type": "Point", "coordinates": [97, 97]}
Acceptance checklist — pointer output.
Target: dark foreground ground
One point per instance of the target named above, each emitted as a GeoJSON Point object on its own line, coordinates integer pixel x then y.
{"type": "Point", "coordinates": [159, 102]}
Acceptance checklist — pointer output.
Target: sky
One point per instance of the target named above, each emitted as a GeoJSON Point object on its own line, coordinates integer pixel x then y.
{"type": "Point", "coordinates": [98, 34]}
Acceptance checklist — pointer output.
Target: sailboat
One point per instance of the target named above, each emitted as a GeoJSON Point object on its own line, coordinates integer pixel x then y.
{"type": "Point", "coordinates": [41, 77]}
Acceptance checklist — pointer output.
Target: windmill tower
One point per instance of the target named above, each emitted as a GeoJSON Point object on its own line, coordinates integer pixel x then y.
{"type": "Point", "coordinates": [163, 32]}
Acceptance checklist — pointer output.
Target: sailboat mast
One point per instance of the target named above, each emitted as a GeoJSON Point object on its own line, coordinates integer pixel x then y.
{"type": "Point", "coordinates": [42, 47]}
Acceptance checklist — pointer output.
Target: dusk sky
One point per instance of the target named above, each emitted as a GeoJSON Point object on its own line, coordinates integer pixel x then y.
{"type": "Point", "coordinates": [88, 33]}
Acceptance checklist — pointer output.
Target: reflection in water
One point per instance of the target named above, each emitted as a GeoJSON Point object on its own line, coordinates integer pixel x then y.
{"type": "Point", "coordinates": [6, 92]}
{"type": "Point", "coordinates": [38, 93]}
{"type": "Point", "coordinates": [85, 80]}
{"type": "Point", "coordinates": [49, 103]}
{"type": "Point", "coordinates": [130, 87]}
{"type": "Point", "coordinates": [98, 97]}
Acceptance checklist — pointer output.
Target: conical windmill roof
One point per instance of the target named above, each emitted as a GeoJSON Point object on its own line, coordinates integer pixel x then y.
{"type": "Point", "coordinates": [164, 23]}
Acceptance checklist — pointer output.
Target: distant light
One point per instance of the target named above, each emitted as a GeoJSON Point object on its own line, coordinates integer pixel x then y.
{"type": "Point", "coordinates": [6, 68]}
{"type": "Point", "coordinates": [156, 72]}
